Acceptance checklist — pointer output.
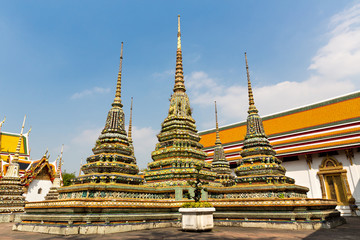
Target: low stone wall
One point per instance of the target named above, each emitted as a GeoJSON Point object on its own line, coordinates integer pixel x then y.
{"type": "Point", "coordinates": [10, 217]}
{"type": "Point", "coordinates": [89, 216]}
{"type": "Point", "coordinates": [92, 229]}
{"type": "Point", "coordinates": [291, 225]}
{"type": "Point", "coordinates": [65, 224]}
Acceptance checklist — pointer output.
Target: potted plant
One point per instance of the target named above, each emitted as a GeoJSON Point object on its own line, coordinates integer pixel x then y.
{"type": "Point", "coordinates": [197, 215]}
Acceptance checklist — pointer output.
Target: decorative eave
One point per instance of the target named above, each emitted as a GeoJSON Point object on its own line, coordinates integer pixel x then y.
{"type": "Point", "coordinates": [37, 167]}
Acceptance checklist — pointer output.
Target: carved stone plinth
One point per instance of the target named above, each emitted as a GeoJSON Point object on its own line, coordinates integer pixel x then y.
{"type": "Point", "coordinates": [197, 219]}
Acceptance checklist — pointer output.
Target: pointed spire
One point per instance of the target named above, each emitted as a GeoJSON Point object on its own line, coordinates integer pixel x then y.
{"type": "Point", "coordinates": [217, 127]}
{"type": "Point", "coordinates": [130, 123]}
{"type": "Point", "coordinates": [81, 163]}
{"type": "Point", "coordinates": [2, 122]}
{"type": "Point", "coordinates": [179, 74]}
{"type": "Point", "coordinates": [117, 99]}
{"type": "Point", "coordinates": [179, 34]}
{"type": "Point", "coordinates": [60, 161]}
{"type": "Point", "coordinates": [57, 163]}
{"type": "Point", "coordinates": [29, 131]}
{"type": "Point", "coordinates": [16, 156]}
{"type": "Point", "coordinates": [252, 108]}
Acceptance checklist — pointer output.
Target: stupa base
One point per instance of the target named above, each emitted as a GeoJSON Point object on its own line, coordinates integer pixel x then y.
{"type": "Point", "coordinates": [95, 228]}
{"type": "Point", "coordinates": [10, 217]}
{"type": "Point", "coordinates": [97, 216]}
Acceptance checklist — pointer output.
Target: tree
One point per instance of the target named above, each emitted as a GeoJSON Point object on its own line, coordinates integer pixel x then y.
{"type": "Point", "coordinates": [197, 185]}
{"type": "Point", "coordinates": [67, 177]}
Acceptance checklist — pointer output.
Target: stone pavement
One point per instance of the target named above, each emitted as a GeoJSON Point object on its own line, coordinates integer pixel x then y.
{"type": "Point", "coordinates": [351, 230]}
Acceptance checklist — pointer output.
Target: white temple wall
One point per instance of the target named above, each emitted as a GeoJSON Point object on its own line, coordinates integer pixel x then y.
{"type": "Point", "coordinates": [298, 171]}
{"type": "Point", "coordinates": [304, 176]}
{"type": "Point", "coordinates": [316, 185]}
{"type": "Point", "coordinates": [34, 193]}
{"type": "Point", "coordinates": [353, 175]}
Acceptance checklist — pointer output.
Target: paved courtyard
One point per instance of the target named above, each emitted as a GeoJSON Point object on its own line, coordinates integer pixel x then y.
{"type": "Point", "coordinates": [351, 230]}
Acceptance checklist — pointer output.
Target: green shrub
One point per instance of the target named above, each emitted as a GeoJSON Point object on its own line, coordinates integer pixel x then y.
{"type": "Point", "coordinates": [197, 185]}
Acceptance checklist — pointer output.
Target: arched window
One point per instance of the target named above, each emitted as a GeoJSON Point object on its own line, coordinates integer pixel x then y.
{"type": "Point", "coordinates": [333, 181]}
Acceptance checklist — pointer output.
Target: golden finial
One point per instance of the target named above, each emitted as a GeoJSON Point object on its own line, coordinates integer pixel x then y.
{"type": "Point", "coordinates": [130, 122]}
{"type": "Point", "coordinates": [117, 99]}
{"type": "Point", "coordinates": [217, 127]}
{"type": "Point", "coordinates": [2, 122]}
{"type": "Point", "coordinates": [179, 74]}
{"type": "Point", "coordinates": [16, 155]}
{"type": "Point", "coordinates": [29, 131]}
{"type": "Point", "coordinates": [179, 34]}
{"type": "Point", "coordinates": [252, 108]}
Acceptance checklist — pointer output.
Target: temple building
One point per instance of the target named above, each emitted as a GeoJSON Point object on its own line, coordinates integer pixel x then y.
{"type": "Point", "coordinates": [318, 144]}
{"type": "Point", "coordinates": [36, 176]}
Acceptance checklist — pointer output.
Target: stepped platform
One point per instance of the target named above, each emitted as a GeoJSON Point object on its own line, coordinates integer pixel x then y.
{"type": "Point", "coordinates": [100, 216]}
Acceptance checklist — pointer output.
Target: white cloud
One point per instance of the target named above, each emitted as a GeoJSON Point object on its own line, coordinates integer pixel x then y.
{"type": "Point", "coordinates": [87, 137]}
{"type": "Point", "coordinates": [334, 71]}
{"type": "Point", "coordinates": [164, 74]}
{"type": "Point", "coordinates": [193, 58]}
{"type": "Point", "coordinates": [340, 57]}
{"type": "Point", "coordinates": [88, 92]}
{"type": "Point", "coordinates": [197, 80]}
{"type": "Point", "coordinates": [204, 90]}
{"type": "Point", "coordinates": [144, 140]}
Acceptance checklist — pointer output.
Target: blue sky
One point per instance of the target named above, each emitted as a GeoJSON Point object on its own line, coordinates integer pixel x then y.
{"type": "Point", "coordinates": [59, 62]}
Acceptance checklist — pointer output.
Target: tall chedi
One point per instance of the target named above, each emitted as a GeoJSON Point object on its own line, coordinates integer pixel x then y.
{"type": "Point", "coordinates": [113, 160]}
{"type": "Point", "coordinates": [219, 164]}
{"type": "Point", "coordinates": [11, 191]}
{"type": "Point", "coordinates": [259, 165]}
{"type": "Point", "coordinates": [178, 151]}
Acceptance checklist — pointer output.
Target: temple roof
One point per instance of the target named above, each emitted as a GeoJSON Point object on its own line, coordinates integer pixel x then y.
{"type": "Point", "coordinates": [29, 169]}
{"type": "Point", "coordinates": [8, 144]}
{"type": "Point", "coordinates": [330, 124]}
{"type": "Point", "coordinates": [37, 167]}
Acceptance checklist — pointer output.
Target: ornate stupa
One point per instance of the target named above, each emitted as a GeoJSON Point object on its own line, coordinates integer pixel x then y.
{"type": "Point", "coordinates": [178, 151]}
{"type": "Point", "coordinates": [219, 164]}
{"type": "Point", "coordinates": [11, 190]}
{"type": "Point", "coordinates": [259, 165]}
{"type": "Point", "coordinates": [113, 160]}
{"type": "Point", "coordinates": [53, 193]}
